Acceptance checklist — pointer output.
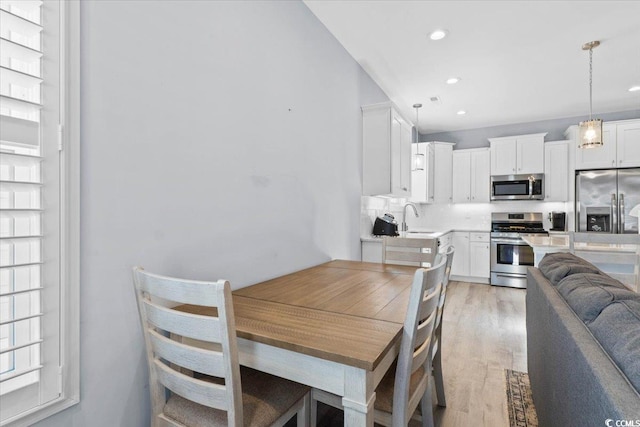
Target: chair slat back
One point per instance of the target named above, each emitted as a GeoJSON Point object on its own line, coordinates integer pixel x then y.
{"type": "Point", "coordinates": [174, 342]}
{"type": "Point", "coordinates": [443, 292]}
{"type": "Point", "coordinates": [417, 335]}
{"type": "Point", "coordinates": [420, 252]}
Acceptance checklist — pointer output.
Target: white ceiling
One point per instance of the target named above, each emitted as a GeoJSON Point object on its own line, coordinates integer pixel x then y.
{"type": "Point", "coordinates": [519, 61]}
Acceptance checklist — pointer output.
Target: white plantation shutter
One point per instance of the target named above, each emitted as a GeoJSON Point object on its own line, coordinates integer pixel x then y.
{"type": "Point", "coordinates": [29, 205]}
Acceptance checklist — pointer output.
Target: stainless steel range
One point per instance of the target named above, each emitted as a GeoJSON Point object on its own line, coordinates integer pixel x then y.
{"type": "Point", "coordinates": [510, 255]}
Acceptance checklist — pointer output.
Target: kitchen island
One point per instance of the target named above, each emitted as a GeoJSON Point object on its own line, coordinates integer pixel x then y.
{"type": "Point", "coordinates": [616, 259]}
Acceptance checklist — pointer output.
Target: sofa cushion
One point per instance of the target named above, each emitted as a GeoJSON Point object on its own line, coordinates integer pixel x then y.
{"type": "Point", "coordinates": [588, 293]}
{"type": "Point", "coordinates": [617, 328]}
{"type": "Point", "coordinates": [557, 266]}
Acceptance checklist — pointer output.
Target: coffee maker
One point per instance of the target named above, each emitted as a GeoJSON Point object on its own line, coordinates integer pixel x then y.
{"type": "Point", "coordinates": [558, 221]}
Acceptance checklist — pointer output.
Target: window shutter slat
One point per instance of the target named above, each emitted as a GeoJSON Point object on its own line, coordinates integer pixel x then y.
{"type": "Point", "coordinates": [21, 241]}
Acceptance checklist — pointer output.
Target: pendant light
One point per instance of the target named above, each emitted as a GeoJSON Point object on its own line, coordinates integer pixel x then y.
{"type": "Point", "coordinates": [590, 131]}
{"type": "Point", "coordinates": [418, 158]}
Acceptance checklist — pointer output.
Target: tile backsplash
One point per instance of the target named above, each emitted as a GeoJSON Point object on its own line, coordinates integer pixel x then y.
{"type": "Point", "coordinates": [463, 216]}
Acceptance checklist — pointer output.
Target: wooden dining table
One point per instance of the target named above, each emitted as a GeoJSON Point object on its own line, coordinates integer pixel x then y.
{"type": "Point", "coordinates": [335, 327]}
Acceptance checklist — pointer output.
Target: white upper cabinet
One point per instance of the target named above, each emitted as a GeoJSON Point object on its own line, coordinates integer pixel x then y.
{"type": "Point", "coordinates": [556, 171]}
{"type": "Point", "coordinates": [422, 172]}
{"type": "Point", "coordinates": [386, 159]}
{"type": "Point", "coordinates": [620, 149]}
{"type": "Point", "coordinates": [513, 155]}
{"type": "Point", "coordinates": [628, 144]}
{"type": "Point", "coordinates": [442, 171]}
{"type": "Point", "coordinates": [471, 176]}
{"type": "Point", "coordinates": [431, 172]}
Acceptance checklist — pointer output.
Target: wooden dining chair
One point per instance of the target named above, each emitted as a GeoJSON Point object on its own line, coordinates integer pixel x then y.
{"type": "Point", "coordinates": [407, 383]}
{"type": "Point", "coordinates": [420, 252]}
{"type": "Point", "coordinates": [436, 354]}
{"type": "Point", "coordinates": [194, 375]}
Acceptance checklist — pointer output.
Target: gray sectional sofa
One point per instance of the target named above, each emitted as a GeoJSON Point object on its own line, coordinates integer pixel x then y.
{"type": "Point", "coordinates": [583, 344]}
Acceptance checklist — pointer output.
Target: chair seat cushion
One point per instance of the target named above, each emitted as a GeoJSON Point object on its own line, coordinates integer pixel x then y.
{"type": "Point", "coordinates": [264, 399]}
{"type": "Point", "coordinates": [384, 392]}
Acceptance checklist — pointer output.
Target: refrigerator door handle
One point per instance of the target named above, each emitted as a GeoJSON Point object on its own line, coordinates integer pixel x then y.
{"type": "Point", "coordinates": [613, 218]}
{"type": "Point", "coordinates": [621, 213]}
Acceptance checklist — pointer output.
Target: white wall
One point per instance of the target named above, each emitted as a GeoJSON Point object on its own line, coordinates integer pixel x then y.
{"type": "Point", "coordinates": [219, 140]}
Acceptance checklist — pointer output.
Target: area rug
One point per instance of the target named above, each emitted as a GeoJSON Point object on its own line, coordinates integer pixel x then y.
{"type": "Point", "coordinates": [522, 413]}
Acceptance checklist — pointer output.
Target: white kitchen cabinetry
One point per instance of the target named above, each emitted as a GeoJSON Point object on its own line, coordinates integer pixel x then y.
{"type": "Point", "coordinates": [460, 265]}
{"type": "Point", "coordinates": [431, 183]}
{"type": "Point", "coordinates": [372, 251]}
{"type": "Point", "coordinates": [479, 255]}
{"type": "Point", "coordinates": [471, 177]}
{"type": "Point", "coordinates": [556, 171]}
{"type": "Point", "coordinates": [422, 172]}
{"type": "Point", "coordinates": [386, 159]}
{"type": "Point", "coordinates": [523, 154]}
{"type": "Point", "coordinates": [620, 149]}
{"type": "Point", "coordinates": [471, 260]}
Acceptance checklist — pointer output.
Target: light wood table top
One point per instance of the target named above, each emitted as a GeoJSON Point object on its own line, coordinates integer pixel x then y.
{"type": "Point", "coordinates": [336, 327]}
{"type": "Point", "coordinates": [348, 312]}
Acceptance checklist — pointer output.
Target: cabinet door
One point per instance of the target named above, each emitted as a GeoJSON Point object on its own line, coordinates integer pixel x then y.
{"type": "Point", "coordinates": [376, 162]}
{"type": "Point", "coordinates": [460, 266]}
{"type": "Point", "coordinates": [372, 252]}
{"type": "Point", "coordinates": [530, 155]}
{"type": "Point", "coordinates": [406, 137]}
{"type": "Point", "coordinates": [601, 157]}
{"type": "Point", "coordinates": [480, 179]}
{"type": "Point", "coordinates": [396, 154]}
{"type": "Point", "coordinates": [422, 182]}
{"type": "Point", "coordinates": [479, 259]}
{"type": "Point", "coordinates": [418, 173]}
{"type": "Point", "coordinates": [442, 175]}
{"type": "Point", "coordinates": [461, 177]}
{"type": "Point", "coordinates": [556, 172]}
{"type": "Point", "coordinates": [628, 145]}
{"type": "Point", "coordinates": [503, 157]}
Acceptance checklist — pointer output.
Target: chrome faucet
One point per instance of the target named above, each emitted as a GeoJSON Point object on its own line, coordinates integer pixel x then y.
{"type": "Point", "coordinates": [404, 227]}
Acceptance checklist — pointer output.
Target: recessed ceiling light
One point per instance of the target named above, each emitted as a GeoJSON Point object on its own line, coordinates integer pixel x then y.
{"type": "Point", "coordinates": [453, 80]}
{"type": "Point", "coordinates": [438, 34]}
{"type": "Point", "coordinates": [461, 113]}
{"type": "Point", "coordinates": [634, 88]}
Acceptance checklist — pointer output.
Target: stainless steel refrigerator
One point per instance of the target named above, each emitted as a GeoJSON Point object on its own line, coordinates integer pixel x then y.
{"type": "Point", "coordinates": [604, 199]}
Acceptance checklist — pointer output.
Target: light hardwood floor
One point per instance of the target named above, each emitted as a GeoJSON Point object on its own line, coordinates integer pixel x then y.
{"type": "Point", "coordinates": [483, 334]}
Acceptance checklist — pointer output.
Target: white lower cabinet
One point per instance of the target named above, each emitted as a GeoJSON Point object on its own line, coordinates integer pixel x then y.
{"type": "Point", "coordinates": [372, 251]}
{"type": "Point", "coordinates": [460, 265]}
{"type": "Point", "coordinates": [472, 256]}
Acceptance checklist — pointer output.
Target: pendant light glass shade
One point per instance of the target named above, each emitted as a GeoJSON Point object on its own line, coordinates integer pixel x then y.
{"type": "Point", "coordinates": [590, 131]}
{"type": "Point", "coordinates": [590, 134]}
{"type": "Point", "coordinates": [418, 162]}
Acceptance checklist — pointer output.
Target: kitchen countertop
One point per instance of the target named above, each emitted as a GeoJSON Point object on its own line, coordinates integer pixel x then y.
{"type": "Point", "coordinates": [420, 233]}
{"type": "Point", "coordinates": [559, 243]}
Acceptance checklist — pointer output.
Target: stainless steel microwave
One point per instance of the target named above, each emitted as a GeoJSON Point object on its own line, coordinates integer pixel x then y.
{"type": "Point", "coordinates": [517, 187]}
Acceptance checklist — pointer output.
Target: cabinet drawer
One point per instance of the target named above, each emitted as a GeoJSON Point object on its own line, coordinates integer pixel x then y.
{"type": "Point", "coordinates": [479, 237]}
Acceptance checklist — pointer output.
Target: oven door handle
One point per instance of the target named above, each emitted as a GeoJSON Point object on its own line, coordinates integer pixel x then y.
{"type": "Point", "coordinates": [518, 242]}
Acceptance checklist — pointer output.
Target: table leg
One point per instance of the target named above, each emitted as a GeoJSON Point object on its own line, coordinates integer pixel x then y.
{"type": "Point", "coordinates": [359, 397]}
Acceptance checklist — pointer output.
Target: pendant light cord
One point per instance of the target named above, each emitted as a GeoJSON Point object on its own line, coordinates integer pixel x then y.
{"type": "Point", "coordinates": [590, 83]}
